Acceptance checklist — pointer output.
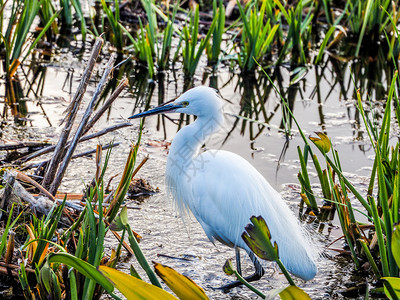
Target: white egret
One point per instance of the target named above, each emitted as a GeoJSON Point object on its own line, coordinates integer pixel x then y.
{"type": "Point", "coordinates": [223, 190]}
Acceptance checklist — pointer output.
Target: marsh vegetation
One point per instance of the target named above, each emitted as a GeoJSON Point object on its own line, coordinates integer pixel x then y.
{"type": "Point", "coordinates": [286, 68]}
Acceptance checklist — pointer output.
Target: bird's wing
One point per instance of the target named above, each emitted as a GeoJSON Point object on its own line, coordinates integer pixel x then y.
{"type": "Point", "coordinates": [227, 190]}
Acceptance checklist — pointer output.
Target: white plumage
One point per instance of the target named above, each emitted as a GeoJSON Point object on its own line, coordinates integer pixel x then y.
{"type": "Point", "coordinates": [223, 190]}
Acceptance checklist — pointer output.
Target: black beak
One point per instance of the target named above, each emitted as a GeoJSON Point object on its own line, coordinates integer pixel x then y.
{"type": "Point", "coordinates": [165, 108]}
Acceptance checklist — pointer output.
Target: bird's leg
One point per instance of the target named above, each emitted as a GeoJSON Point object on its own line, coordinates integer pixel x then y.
{"type": "Point", "coordinates": [256, 276]}
{"type": "Point", "coordinates": [238, 266]}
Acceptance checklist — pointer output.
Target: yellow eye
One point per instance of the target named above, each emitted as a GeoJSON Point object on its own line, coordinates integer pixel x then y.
{"type": "Point", "coordinates": [185, 103]}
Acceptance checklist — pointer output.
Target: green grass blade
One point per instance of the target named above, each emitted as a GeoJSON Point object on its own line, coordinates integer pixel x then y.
{"type": "Point", "coordinates": [83, 267]}
{"type": "Point", "coordinates": [364, 26]}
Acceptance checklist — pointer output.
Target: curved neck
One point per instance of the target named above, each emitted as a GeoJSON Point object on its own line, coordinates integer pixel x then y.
{"type": "Point", "coordinates": [188, 141]}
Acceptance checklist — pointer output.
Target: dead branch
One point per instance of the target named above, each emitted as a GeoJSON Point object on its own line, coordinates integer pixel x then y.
{"type": "Point", "coordinates": [83, 139]}
{"type": "Point", "coordinates": [40, 204]}
{"type": "Point", "coordinates": [19, 145]}
{"type": "Point", "coordinates": [86, 153]}
{"type": "Point", "coordinates": [106, 105]}
{"type": "Point", "coordinates": [67, 158]}
{"type": "Point", "coordinates": [71, 114]}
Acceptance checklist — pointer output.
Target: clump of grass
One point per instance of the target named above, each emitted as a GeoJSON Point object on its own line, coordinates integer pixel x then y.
{"type": "Point", "coordinates": [381, 207]}
{"type": "Point", "coordinates": [191, 52]}
{"type": "Point", "coordinates": [299, 33]}
{"type": "Point", "coordinates": [152, 47]}
{"type": "Point", "coordinates": [368, 18]}
{"type": "Point", "coordinates": [17, 46]}
{"type": "Point", "coordinates": [213, 49]}
{"type": "Point", "coordinates": [114, 23]}
{"type": "Point", "coordinates": [67, 16]}
{"type": "Point", "coordinates": [257, 36]}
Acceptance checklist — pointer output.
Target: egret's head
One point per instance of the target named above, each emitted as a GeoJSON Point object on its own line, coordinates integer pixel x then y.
{"type": "Point", "coordinates": [199, 101]}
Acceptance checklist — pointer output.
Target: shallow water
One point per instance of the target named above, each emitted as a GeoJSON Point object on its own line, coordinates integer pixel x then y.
{"type": "Point", "coordinates": [163, 231]}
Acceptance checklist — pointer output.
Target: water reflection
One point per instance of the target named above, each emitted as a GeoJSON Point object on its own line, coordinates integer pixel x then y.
{"type": "Point", "coordinates": [259, 106]}
{"type": "Point", "coordinates": [312, 93]}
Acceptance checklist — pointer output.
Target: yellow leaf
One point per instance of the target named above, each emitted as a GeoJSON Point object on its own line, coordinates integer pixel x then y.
{"type": "Point", "coordinates": [32, 246]}
{"type": "Point", "coordinates": [13, 68]}
{"type": "Point", "coordinates": [394, 283]}
{"type": "Point", "coordinates": [305, 199]}
{"type": "Point", "coordinates": [182, 286]}
{"type": "Point", "coordinates": [323, 143]}
{"type": "Point", "coordinates": [44, 254]}
{"type": "Point", "coordinates": [133, 288]}
{"type": "Point", "coordinates": [294, 293]}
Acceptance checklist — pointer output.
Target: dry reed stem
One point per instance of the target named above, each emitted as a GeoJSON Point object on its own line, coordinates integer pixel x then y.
{"type": "Point", "coordinates": [83, 139]}
{"type": "Point", "coordinates": [4, 265]}
{"type": "Point", "coordinates": [89, 125]}
{"type": "Point", "coordinates": [19, 145]}
{"type": "Point", "coordinates": [99, 154]}
{"type": "Point", "coordinates": [21, 176]}
{"type": "Point", "coordinates": [86, 153]}
{"type": "Point", "coordinates": [106, 105]}
{"type": "Point", "coordinates": [7, 272]}
{"type": "Point", "coordinates": [71, 114]}
{"type": "Point", "coordinates": [79, 132]}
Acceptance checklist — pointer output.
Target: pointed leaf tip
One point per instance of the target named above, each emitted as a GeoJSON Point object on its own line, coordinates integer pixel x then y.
{"type": "Point", "coordinates": [184, 287]}
{"type": "Point", "coordinates": [322, 142]}
{"type": "Point", "coordinates": [228, 267]}
{"type": "Point", "coordinates": [258, 238]}
{"type": "Point", "coordinates": [133, 288]}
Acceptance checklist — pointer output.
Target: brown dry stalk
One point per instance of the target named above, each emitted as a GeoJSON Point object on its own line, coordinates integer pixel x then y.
{"type": "Point", "coordinates": [106, 105]}
{"type": "Point", "coordinates": [89, 125]}
{"type": "Point", "coordinates": [80, 131]}
{"type": "Point", "coordinates": [25, 178]}
{"type": "Point", "coordinates": [71, 114]}
{"type": "Point", "coordinates": [10, 247]}
{"type": "Point", "coordinates": [12, 266]}
{"type": "Point", "coordinates": [85, 138]}
{"type": "Point", "coordinates": [19, 145]}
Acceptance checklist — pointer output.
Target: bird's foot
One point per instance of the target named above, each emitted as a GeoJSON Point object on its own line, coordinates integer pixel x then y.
{"type": "Point", "coordinates": [226, 288]}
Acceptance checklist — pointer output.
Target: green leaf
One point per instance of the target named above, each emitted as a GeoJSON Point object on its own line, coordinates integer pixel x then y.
{"type": "Point", "coordinates": [184, 287]}
{"type": "Point", "coordinates": [258, 237]}
{"type": "Point", "coordinates": [228, 267]}
{"type": "Point", "coordinates": [50, 281]}
{"type": "Point", "coordinates": [133, 288]}
{"type": "Point", "coordinates": [83, 267]}
{"type": "Point", "coordinates": [141, 258]}
{"type": "Point", "coordinates": [298, 74]}
{"type": "Point", "coordinates": [120, 221]}
{"type": "Point", "coordinates": [396, 244]}
{"type": "Point", "coordinates": [124, 215]}
{"type": "Point", "coordinates": [134, 273]}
